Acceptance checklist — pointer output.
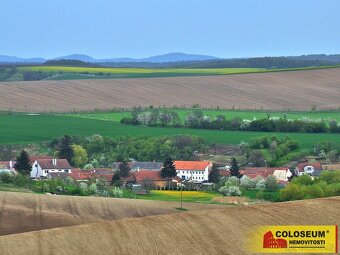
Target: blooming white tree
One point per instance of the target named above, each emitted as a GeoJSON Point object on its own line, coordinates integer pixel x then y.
{"type": "Point", "coordinates": [145, 118]}
{"type": "Point", "coordinates": [230, 191]}
{"type": "Point", "coordinates": [260, 183]}
{"type": "Point", "coordinates": [245, 182]}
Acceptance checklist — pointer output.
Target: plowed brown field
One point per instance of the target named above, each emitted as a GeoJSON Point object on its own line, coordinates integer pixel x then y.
{"type": "Point", "coordinates": [295, 90]}
{"type": "Point", "coordinates": [213, 231]}
{"type": "Point", "coordinates": [20, 212]}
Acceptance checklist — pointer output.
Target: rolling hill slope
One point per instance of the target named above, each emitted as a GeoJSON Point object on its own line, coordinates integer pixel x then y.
{"type": "Point", "coordinates": [294, 90]}
{"type": "Point", "coordinates": [219, 231]}
{"type": "Point", "coordinates": [20, 212]}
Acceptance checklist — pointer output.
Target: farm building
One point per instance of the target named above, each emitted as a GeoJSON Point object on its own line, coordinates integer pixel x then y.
{"type": "Point", "coordinates": [310, 168]}
{"type": "Point", "coordinates": [150, 179]}
{"type": "Point", "coordinates": [331, 167]}
{"type": "Point", "coordinates": [141, 166]}
{"type": "Point", "coordinates": [147, 166]}
{"type": "Point", "coordinates": [9, 165]}
{"type": "Point", "coordinates": [195, 171]}
{"type": "Point", "coordinates": [281, 173]}
{"type": "Point", "coordinates": [41, 167]}
{"type": "Point", "coordinates": [57, 175]}
{"type": "Point", "coordinates": [84, 175]}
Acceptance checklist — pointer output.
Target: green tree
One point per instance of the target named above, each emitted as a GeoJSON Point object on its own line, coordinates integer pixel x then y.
{"type": "Point", "coordinates": [271, 183]}
{"type": "Point", "coordinates": [79, 155]}
{"type": "Point", "coordinates": [64, 148]}
{"type": "Point", "coordinates": [214, 175]}
{"type": "Point", "coordinates": [234, 168]}
{"type": "Point", "coordinates": [23, 164]}
{"type": "Point", "coordinates": [256, 157]}
{"type": "Point", "coordinates": [116, 179]}
{"type": "Point", "coordinates": [124, 169]}
{"type": "Point", "coordinates": [168, 169]}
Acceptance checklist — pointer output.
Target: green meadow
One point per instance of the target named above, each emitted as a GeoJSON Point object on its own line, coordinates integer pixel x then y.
{"type": "Point", "coordinates": [23, 129]}
{"type": "Point", "coordinates": [229, 114]}
{"type": "Point", "coordinates": [69, 72]}
{"type": "Point", "coordinates": [71, 69]}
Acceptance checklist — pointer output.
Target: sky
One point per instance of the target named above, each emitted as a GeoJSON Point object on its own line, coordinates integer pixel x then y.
{"type": "Point", "coordinates": [142, 28]}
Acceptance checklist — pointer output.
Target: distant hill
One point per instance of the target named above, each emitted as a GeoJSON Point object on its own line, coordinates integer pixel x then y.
{"type": "Point", "coordinates": [183, 60]}
{"type": "Point", "coordinates": [80, 57]}
{"type": "Point", "coordinates": [170, 57]}
{"type": "Point", "coordinates": [12, 59]}
{"type": "Point", "coordinates": [176, 57]}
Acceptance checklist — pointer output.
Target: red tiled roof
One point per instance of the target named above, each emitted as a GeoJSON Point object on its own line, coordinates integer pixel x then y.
{"type": "Point", "coordinates": [34, 158]}
{"type": "Point", "coordinates": [148, 175]}
{"type": "Point", "coordinates": [316, 165]}
{"type": "Point", "coordinates": [253, 172]}
{"type": "Point", "coordinates": [48, 164]}
{"type": "Point", "coordinates": [224, 173]}
{"type": "Point", "coordinates": [79, 174]}
{"type": "Point", "coordinates": [191, 165]}
{"type": "Point", "coordinates": [6, 164]}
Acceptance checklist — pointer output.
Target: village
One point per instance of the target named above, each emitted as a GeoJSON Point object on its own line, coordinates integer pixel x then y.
{"type": "Point", "coordinates": [143, 176]}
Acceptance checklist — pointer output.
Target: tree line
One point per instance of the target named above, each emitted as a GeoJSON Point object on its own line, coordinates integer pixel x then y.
{"type": "Point", "coordinates": [197, 120]}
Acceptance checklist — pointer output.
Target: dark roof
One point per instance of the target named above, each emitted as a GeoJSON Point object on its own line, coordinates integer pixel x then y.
{"type": "Point", "coordinates": [141, 176]}
{"type": "Point", "coordinates": [58, 175]}
{"type": "Point", "coordinates": [150, 166]}
{"type": "Point", "coordinates": [48, 164]}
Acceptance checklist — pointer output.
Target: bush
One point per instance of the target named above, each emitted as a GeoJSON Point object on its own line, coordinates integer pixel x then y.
{"type": "Point", "coordinates": [329, 177]}
{"type": "Point", "coordinates": [271, 183]}
{"type": "Point", "coordinates": [59, 189]}
{"type": "Point", "coordinates": [230, 191]}
{"type": "Point", "coordinates": [291, 192]}
{"type": "Point", "coordinates": [333, 189]}
{"type": "Point", "coordinates": [93, 189]}
{"type": "Point", "coordinates": [312, 191]}
{"type": "Point", "coordinates": [117, 192]}
{"type": "Point", "coordinates": [303, 180]}
{"type": "Point", "coordinates": [45, 187]}
{"type": "Point", "coordinates": [104, 193]}
{"type": "Point", "coordinates": [6, 178]}
{"type": "Point", "coordinates": [21, 180]}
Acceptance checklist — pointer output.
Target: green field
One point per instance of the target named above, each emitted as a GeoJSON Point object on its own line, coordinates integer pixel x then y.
{"type": "Point", "coordinates": [107, 70]}
{"type": "Point", "coordinates": [229, 114]}
{"type": "Point", "coordinates": [19, 128]}
{"type": "Point", "coordinates": [28, 73]}
{"type": "Point", "coordinates": [69, 72]}
{"type": "Point", "coordinates": [187, 196]}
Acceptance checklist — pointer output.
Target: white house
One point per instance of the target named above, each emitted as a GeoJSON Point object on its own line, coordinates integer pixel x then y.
{"type": "Point", "coordinates": [195, 171]}
{"type": "Point", "coordinates": [310, 168]}
{"type": "Point", "coordinates": [41, 167]}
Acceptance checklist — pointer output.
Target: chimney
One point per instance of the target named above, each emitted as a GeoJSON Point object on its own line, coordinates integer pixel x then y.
{"type": "Point", "coordinates": [54, 161]}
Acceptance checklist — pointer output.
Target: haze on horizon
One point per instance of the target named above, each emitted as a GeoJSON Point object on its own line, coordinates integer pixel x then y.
{"type": "Point", "coordinates": [137, 29]}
